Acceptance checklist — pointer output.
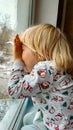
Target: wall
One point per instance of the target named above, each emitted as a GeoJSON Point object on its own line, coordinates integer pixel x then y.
{"type": "Point", "coordinates": [46, 11]}
{"type": "Point", "coordinates": [68, 24]}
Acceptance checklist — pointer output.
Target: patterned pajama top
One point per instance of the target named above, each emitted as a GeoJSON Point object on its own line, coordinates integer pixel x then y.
{"type": "Point", "coordinates": [50, 89]}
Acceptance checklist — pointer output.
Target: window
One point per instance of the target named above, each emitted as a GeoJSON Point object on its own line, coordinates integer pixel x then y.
{"type": "Point", "coordinates": [10, 111]}
{"type": "Point", "coordinates": [15, 17]}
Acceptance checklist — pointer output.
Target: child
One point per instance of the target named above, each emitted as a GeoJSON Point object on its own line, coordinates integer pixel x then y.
{"type": "Point", "coordinates": [43, 70]}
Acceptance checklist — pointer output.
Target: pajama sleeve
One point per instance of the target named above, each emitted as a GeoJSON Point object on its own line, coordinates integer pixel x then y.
{"type": "Point", "coordinates": [23, 85]}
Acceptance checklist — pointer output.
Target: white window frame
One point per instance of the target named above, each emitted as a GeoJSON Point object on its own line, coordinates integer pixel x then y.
{"type": "Point", "coordinates": [13, 119]}
{"type": "Point", "coordinates": [24, 15]}
{"type": "Point", "coordinates": [12, 114]}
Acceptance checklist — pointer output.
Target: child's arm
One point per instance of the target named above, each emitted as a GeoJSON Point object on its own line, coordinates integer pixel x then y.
{"type": "Point", "coordinates": [21, 85]}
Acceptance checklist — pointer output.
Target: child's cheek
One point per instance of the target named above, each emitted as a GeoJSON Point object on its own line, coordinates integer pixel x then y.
{"type": "Point", "coordinates": [23, 56]}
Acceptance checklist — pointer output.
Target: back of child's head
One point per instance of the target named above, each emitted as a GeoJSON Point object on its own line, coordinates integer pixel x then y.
{"type": "Point", "coordinates": [49, 43]}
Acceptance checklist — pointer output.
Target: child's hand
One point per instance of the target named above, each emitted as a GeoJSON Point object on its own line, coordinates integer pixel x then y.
{"type": "Point", "coordinates": [17, 49]}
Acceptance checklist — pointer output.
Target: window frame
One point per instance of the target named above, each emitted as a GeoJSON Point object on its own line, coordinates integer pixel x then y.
{"type": "Point", "coordinates": [12, 114]}
{"type": "Point", "coordinates": [15, 115]}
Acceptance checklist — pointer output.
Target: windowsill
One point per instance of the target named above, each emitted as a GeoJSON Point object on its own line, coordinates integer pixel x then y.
{"type": "Point", "coordinates": [13, 113]}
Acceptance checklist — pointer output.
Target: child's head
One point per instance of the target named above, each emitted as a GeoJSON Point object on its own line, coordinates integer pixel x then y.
{"type": "Point", "coordinates": [49, 43]}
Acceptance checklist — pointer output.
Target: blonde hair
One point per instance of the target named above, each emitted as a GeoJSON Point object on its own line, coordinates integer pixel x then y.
{"type": "Point", "coordinates": [49, 43]}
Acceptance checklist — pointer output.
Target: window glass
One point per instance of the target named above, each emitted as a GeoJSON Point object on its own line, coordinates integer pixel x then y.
{"type": "Point", "coordinates": [8, 13]}
{"type": "Point", "coordinates": [14, 18]}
